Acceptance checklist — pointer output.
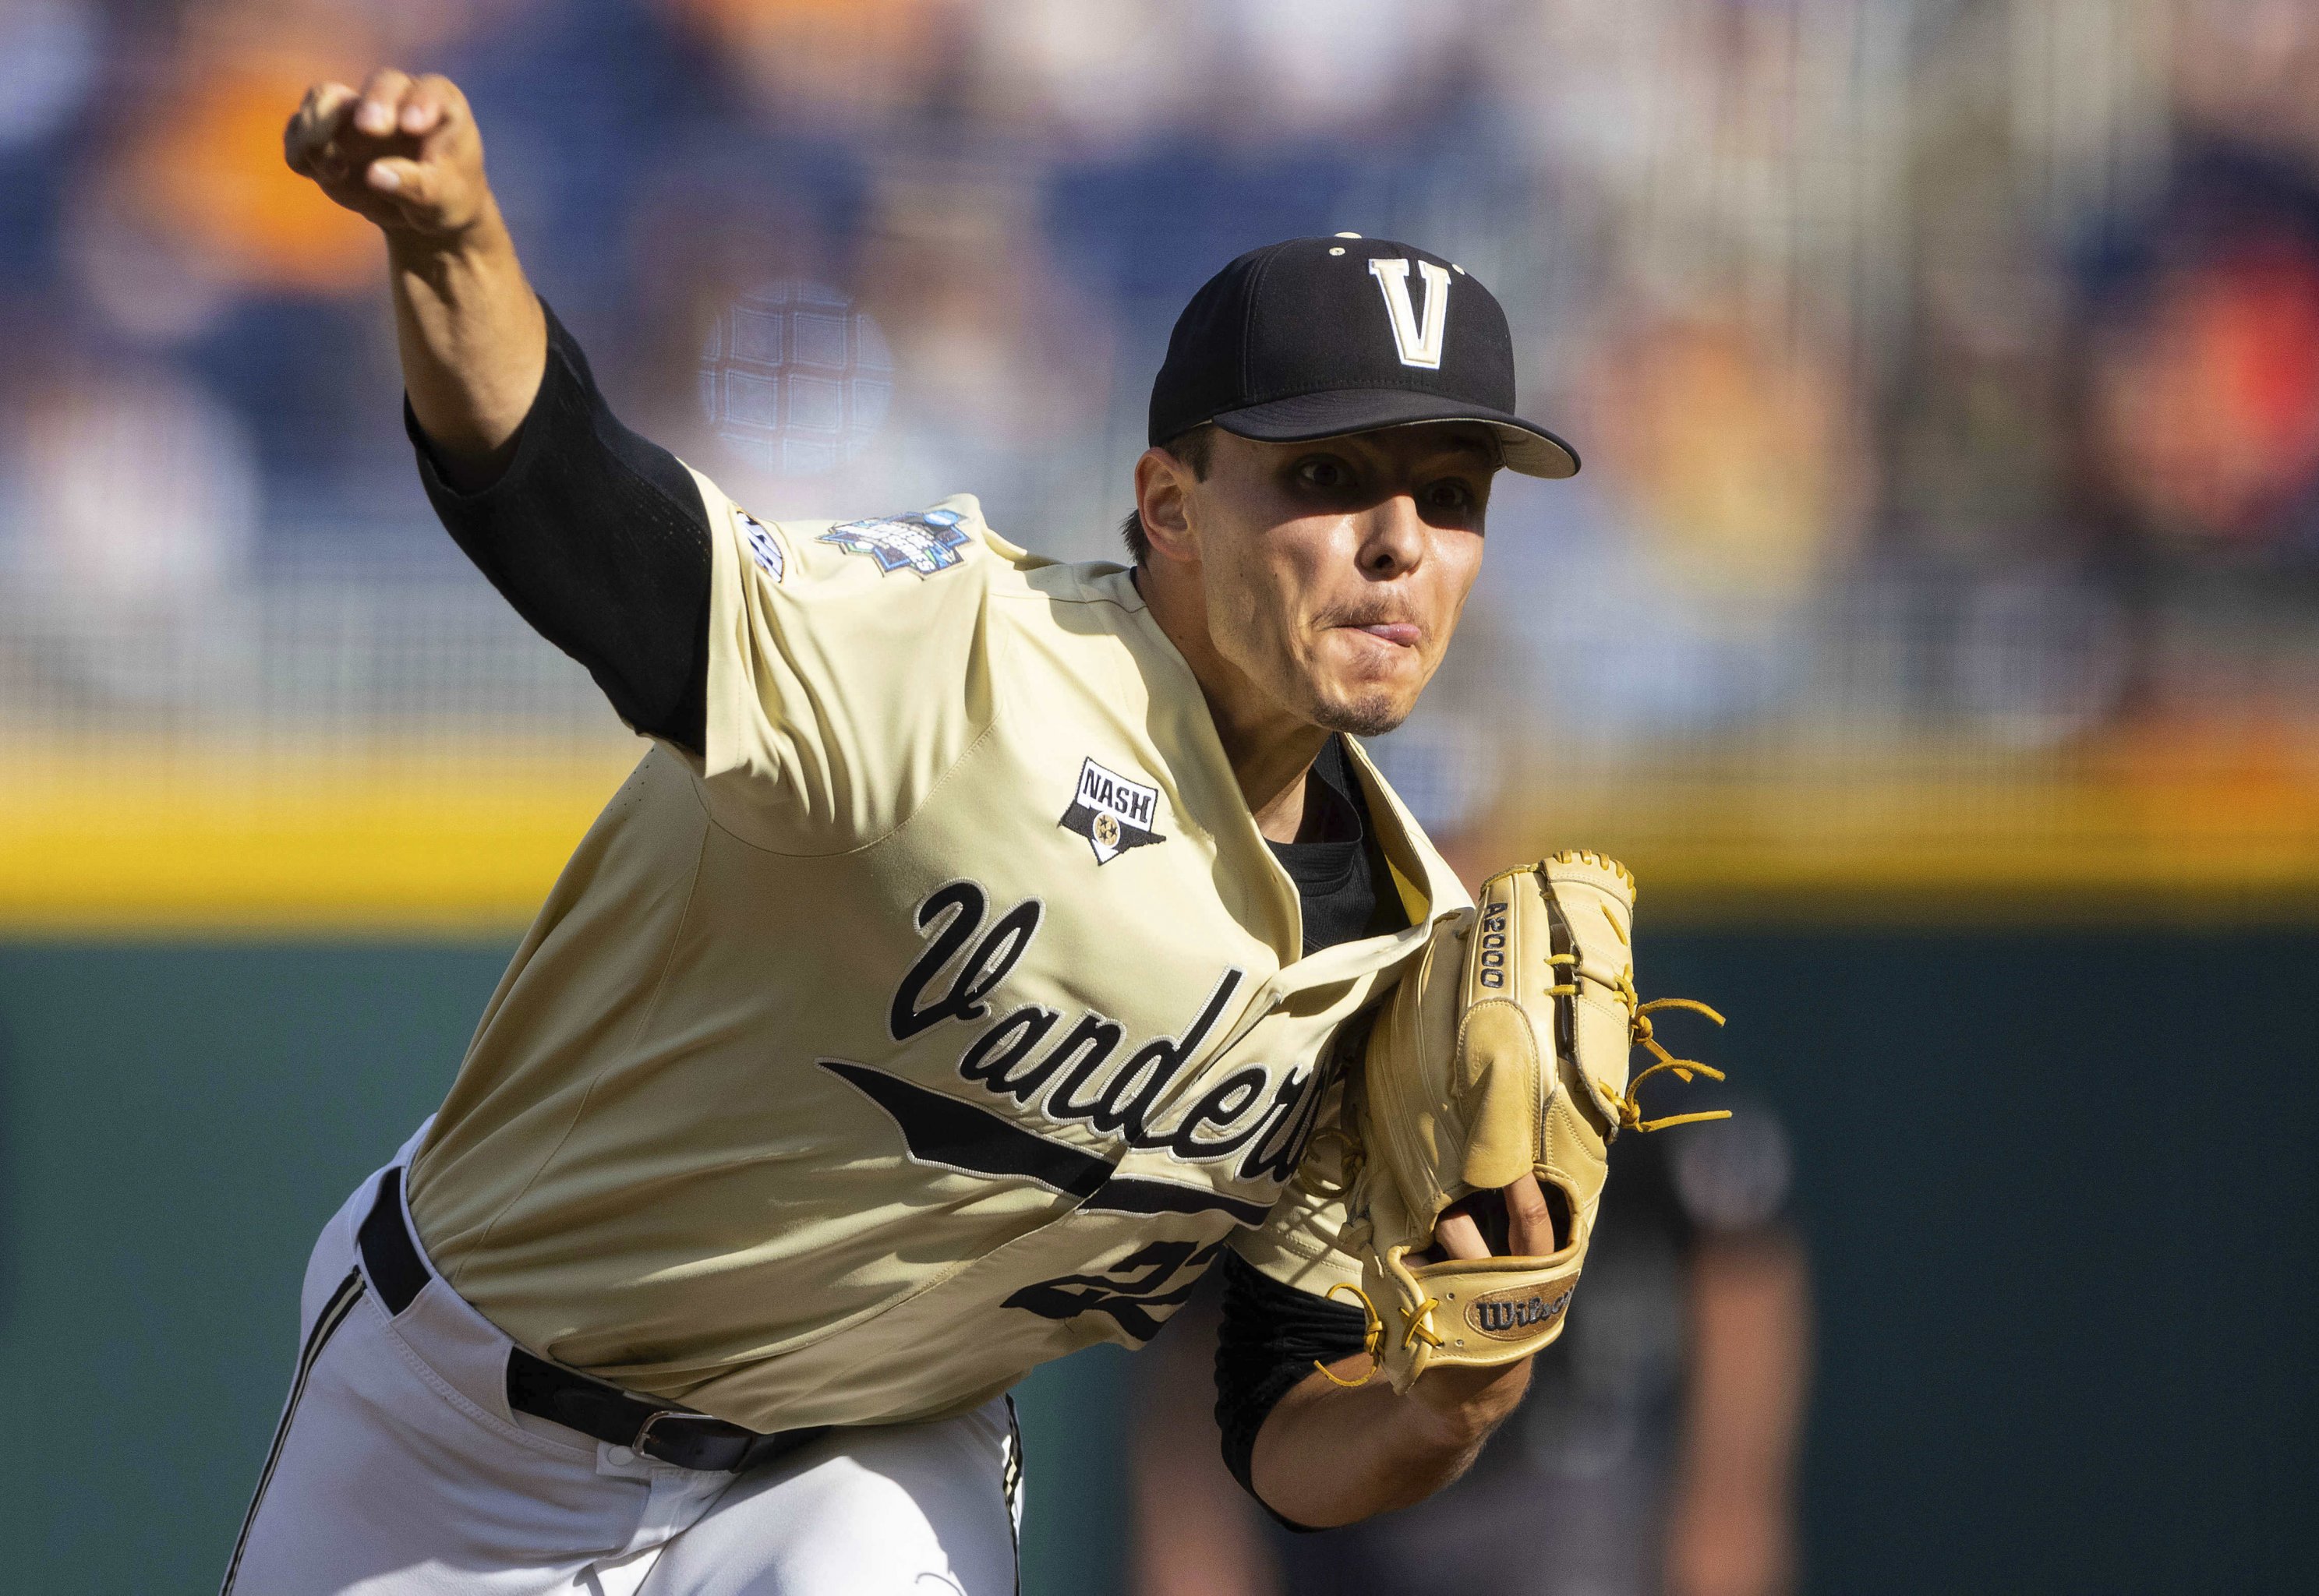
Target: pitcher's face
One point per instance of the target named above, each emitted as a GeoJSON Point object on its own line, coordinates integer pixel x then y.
{"type": "Point", "coordinates": [1334, 572]}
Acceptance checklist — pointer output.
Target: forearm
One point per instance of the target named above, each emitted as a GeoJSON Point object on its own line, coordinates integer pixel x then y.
{"type": "Point", "coordinates": [472, 340]}
{"type": "Point", "coordinates": [1328, 1456]}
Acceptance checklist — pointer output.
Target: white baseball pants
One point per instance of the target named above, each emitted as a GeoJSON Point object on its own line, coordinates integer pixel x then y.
{"type": "Point", "coordinates": [399, 1468]}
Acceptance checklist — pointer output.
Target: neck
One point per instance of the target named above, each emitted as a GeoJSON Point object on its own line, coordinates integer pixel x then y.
{"type": "Point", "coordinates": [1271, 749]}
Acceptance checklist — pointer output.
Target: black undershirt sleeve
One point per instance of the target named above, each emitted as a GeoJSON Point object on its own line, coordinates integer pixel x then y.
{"type": "Point", "coordinates": [599, 540]}
{"type": "Point", "coordinates": [1273, 1334]}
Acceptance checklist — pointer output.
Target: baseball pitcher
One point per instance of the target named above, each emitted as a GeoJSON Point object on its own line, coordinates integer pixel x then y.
{"type": "Point", "coordinates": [985, 948]}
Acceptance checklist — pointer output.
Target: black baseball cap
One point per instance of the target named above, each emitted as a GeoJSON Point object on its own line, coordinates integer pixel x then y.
{"type": "Point", "coordinates": [1317, 338]}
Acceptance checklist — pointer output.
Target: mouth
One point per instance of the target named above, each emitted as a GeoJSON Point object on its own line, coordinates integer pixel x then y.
{"type": "Point", "coordinates": [1402, 633]}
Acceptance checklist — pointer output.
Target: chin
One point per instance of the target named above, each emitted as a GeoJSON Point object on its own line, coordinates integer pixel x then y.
{"type": "Point", "coordinates": [1371, 715]}
{"type": "Point", "coordinates": [1362, 687]}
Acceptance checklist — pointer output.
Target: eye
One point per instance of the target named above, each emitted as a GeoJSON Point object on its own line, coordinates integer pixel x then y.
{"type": "Point", "coordinates": [1450, 494]}
{"type": "Point", "coordinates": [1325, 473]}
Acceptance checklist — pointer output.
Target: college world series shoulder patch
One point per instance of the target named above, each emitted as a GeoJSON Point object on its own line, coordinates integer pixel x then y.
{"type": "Point", "coordinates": [1112, 813]}
{"type": "Point", "coordinates": [926, 541]}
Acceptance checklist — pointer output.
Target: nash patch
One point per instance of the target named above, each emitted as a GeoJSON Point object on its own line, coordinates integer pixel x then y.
{"type": "Point", "coordinates": [762, 547]}
{"type": "Point", "coordinates": [1514, 1316]}
{"type": "Point", "coordinates": [927, 541]}
{"type": "Point", "coordinates": [1112, 813]}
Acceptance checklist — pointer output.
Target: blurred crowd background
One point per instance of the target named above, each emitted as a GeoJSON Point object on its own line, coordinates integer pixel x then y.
{"type": "Point", "coordinates": [1946, 370]}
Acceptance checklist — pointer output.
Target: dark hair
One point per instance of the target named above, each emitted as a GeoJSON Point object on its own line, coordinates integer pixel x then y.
{"type": "Point", "coordinates": [1194, 448]}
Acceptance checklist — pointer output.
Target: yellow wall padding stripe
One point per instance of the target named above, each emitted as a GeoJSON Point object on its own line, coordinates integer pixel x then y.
{"type": "Point", "coordinates": [2064, 849]}
{"type": "Point", "coordinates": [460, 835]}
{"type": "Point", "coordinates": [215, 842]}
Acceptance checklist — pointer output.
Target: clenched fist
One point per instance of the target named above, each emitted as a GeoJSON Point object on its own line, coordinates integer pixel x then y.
{"type": "Point", "coordinates": [402, 152]}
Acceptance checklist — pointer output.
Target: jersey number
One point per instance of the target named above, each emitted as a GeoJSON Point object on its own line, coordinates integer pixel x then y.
{"type": "Point", "coordinates": [1140, 1291]}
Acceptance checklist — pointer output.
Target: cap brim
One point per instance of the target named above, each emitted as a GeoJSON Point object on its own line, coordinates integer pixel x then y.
{"type": "Point", "coordinates": [1523, 446]}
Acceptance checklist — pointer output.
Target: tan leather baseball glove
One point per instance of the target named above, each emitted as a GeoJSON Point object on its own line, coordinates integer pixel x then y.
{"type": "Point", "coordinates": [1504, 1052]}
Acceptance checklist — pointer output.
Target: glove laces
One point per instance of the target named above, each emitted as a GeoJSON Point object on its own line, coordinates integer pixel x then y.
{"type": "Point", "coordinates": [1639, 1028]}
{"type": "Point", "coordinates": [1421, 1328]}
{"type": "Point", "coordinates": [1372, 1337]}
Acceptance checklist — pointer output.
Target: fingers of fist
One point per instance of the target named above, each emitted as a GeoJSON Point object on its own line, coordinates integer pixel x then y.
{"type": "Point", "coordinates": [308, 142]}
{"type": "Point", "coordinates": [391, 146]}
{"type": "Point", "coordinates": [1518, 1220]}
{"type": "Point", "coordinates": [1529, 1219]}
{"type": "Point", "coordinates": [1457, 1234]}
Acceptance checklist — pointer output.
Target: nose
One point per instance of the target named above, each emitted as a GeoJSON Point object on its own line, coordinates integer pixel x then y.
{"type": "Point", "coordinates": [1393, 538]}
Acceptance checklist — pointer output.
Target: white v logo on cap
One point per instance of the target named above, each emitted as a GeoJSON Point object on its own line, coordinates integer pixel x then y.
{"type": "Point", "coordinates": [1419, 346]}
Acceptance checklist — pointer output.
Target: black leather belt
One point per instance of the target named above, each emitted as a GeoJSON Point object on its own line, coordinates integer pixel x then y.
{"type": "Point", "coordinates": [546, 1391]}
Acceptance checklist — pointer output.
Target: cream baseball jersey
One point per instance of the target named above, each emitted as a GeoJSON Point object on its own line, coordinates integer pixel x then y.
{"type": "Point", "coordinates": [942, 1017]}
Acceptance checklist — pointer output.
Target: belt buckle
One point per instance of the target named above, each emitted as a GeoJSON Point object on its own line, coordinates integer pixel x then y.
{"type": "Point", "coordinates": [642, 1443]}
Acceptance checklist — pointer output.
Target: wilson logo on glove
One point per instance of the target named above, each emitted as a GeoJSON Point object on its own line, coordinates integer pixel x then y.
{"type": "Point", "coordinates": [1499, 1316]}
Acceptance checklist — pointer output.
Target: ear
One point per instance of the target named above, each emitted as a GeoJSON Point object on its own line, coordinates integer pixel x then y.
{"type": "Point", "coordinates": [1163, 488]}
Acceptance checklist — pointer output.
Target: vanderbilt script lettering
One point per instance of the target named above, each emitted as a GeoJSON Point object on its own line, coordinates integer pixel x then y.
{"type": "Point", "coordinates": [1072, 1072]}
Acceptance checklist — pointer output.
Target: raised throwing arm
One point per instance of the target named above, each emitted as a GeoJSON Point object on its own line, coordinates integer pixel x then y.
{"type": "Point", "coordinates": [598, 537]}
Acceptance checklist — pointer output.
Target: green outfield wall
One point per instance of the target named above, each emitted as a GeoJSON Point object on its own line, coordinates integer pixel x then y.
{"type": "Point", "coordinates": [2061, 1191]}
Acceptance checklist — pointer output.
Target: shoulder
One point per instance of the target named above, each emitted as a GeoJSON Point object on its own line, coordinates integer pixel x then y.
{"type": "Point", "coordinates": [1040, 579]}
{"type": "Point", "coordinates": [951, 538]}
{"type": "Point", "coordinates": [937, 541]}
{"type": "Point", "coordinates": [905, 544]}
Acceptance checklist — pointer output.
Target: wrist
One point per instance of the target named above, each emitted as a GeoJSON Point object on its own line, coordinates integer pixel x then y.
{"type": "Point", "coordinates": [1459, 1407]}
{"type": "Point", "coordinates": [473, 243]}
